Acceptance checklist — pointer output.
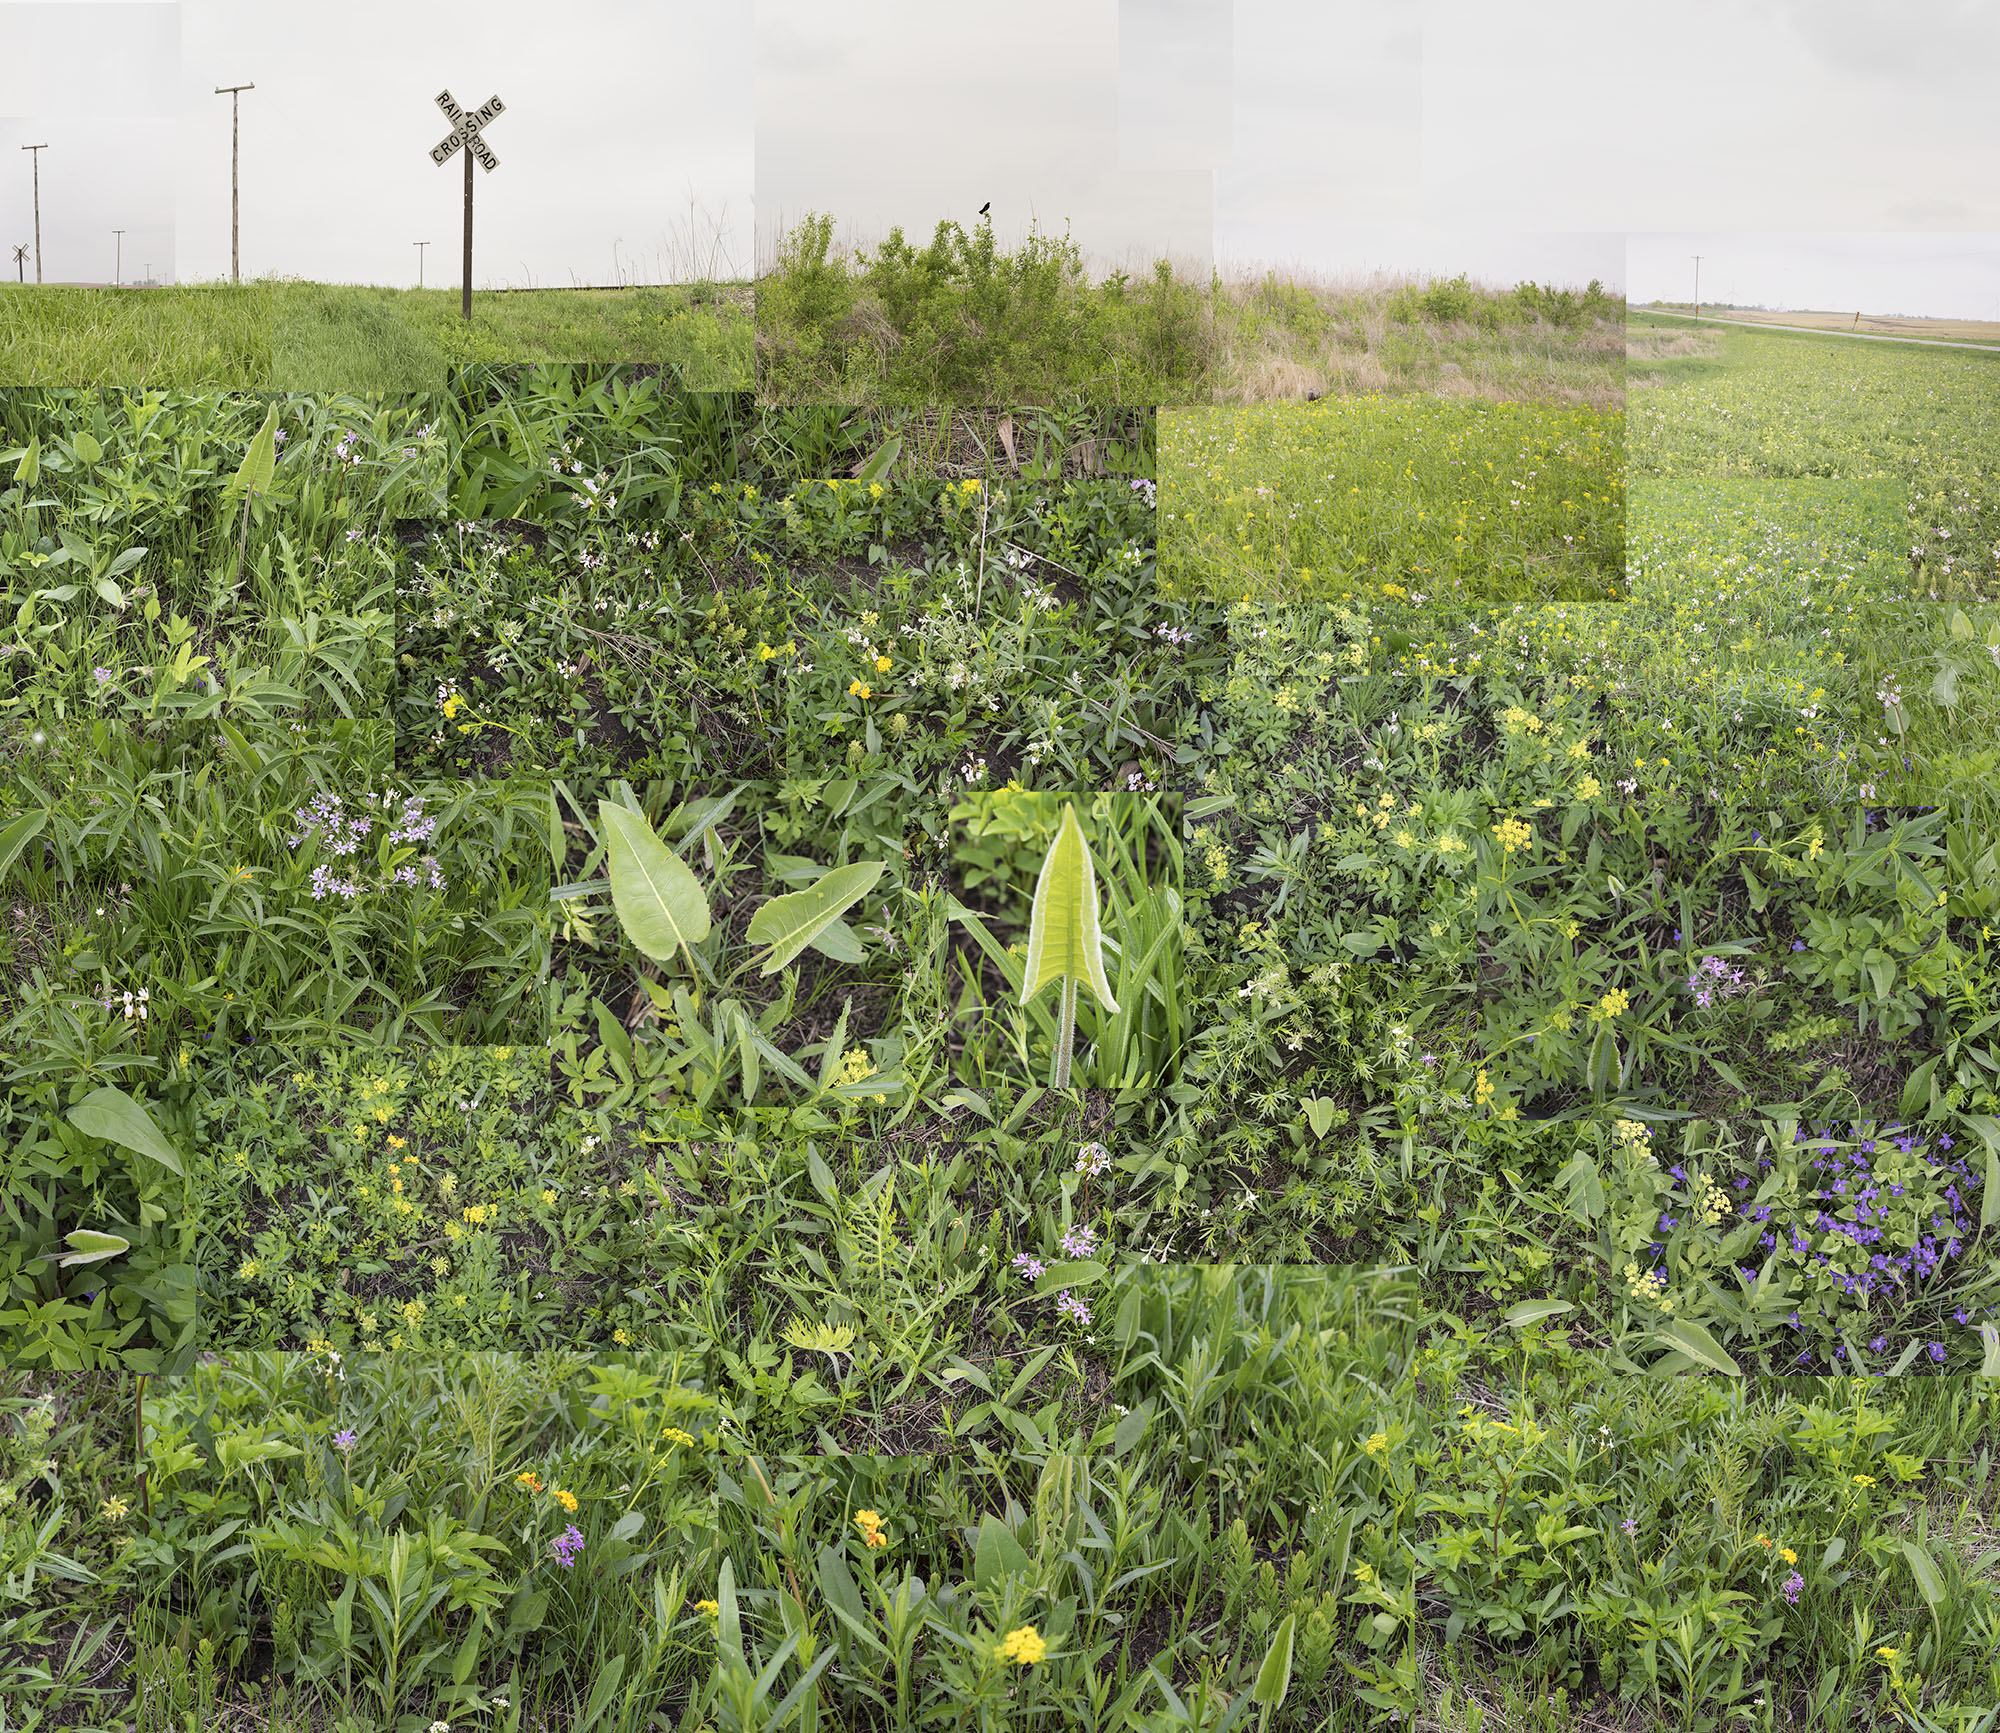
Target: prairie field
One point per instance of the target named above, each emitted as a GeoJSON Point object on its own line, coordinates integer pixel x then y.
{"type": "Point", "coordinates": [681, 1061]}
{"type": "Point", "coordinates": [284, 335]}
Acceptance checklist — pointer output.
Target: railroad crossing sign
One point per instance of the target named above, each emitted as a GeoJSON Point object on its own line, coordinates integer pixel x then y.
{"type": "Point", "coordinates": [465, 135]}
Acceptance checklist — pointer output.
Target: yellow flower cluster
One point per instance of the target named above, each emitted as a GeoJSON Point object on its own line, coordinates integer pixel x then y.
{"type": "Point", "coordinates": [873, 1535]}
{"type": "Point", "coordinates": [1023, 1645]}
{"type": "Point", "coordinates": [1513, 834]}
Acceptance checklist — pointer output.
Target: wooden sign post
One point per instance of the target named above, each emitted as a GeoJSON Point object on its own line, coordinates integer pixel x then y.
{"type": "Point", "coordinates": [465, 134]}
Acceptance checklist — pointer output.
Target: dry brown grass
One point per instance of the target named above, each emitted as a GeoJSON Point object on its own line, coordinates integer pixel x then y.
{"type": "Point", "coordinates": [1300, 333]}
{"type": "Point", "coordinates": [1656, 345]}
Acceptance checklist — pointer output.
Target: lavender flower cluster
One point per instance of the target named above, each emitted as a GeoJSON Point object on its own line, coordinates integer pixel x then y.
{"type": "Point", "coordinates": [1712, 981]}
{"type": "Point", "coordinates": [567, 1545]}
{"type": "Point", "coordinates": [341, 834]}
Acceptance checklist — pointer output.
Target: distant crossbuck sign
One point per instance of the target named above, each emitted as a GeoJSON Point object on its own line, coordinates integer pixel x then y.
{"type": "Point", "coordinates": [465, 131]}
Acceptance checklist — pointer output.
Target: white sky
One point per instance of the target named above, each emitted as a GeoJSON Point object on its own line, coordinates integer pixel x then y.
{"type": "Point", "coordinates": [1713, 114]}
{"type": "Point", "coordinates": [1950, 276]}
{"type": "Point", "coordinates": [903, 112]}
{"type": "Point", "coordinates": [94, 83]}
{"type": "Point", "coordinates": [616, 112]}
{"type": "Point", "coordinates": [1338, 136]}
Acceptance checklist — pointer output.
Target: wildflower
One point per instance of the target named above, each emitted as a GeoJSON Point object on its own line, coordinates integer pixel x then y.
{"type": "Point", "coordinates": [859, 689]}
{"type": "Point", "coordinates": [1792, 1585]}
{"type": "Point", "coordinates": [881, 664]}
{"type": "Point", "coordinates": [567, 1545]}
{"type": "Point", "coordinates": [1613, 1003]}
{"type": "Point", "coordinates": [1786, 1553]}
{"type": "Point", "coordinates": [1630, 1525]}
{"type": "Point", "coordinates": [1887, 1654]}
{"type": "Point", "coordinates": [566, 1499]}
{"type": "Point", "coordinates": [1093, 1159]}
{"type": "Point", "coordinates": [529, 1479]}
{"type": "Point", "coordinates": [1079, 1242]}
{"type": "Point", "coordinates": [707, 1609]}
{"type": "Point", "coordinates": [440, 1726]}
{"type": "Point", "coordinates": [343, 1440]}
{"type": "Point", "coordinates": [1376, 1443]}
{"type": "Point", "coordinates": [1032, 1268]}
{"type": "Point", "coordinates": [114, 1509]}
{"type": "Point", "coordinates": [103, 676]}
{"type": "Point", "coordinates": [870, 1524]}
{"type": "Point", "coordinates": [1864, 1480]}
{"type": "Point", "coordinates": [1023, 1646]}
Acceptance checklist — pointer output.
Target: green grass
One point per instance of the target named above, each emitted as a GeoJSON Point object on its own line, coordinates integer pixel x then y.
{"type": "Point", "coordinates": [1449, 505]}
{"type": "Point", "coordinates": [324, 337]}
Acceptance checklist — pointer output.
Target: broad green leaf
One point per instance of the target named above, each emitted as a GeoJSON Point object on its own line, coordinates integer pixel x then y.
{"type": "Point", "coordinates": [254, 474]}
{"type": "Point", "coordinates": [1274, 1678]}
{"type": "Point", "coordinates": [86, 447]}
{"type": "Point", "coordinates": [112, 1114]}
{"type": "Point", "coordinates": [881, 460]}
{"type": "Point", "coordinates": [998, 1554]}
{"type": "Point", "coordinates": [124, 562]}
{"type": "Point", "coordinates": [790, 923]}
{"type": "Point", "coordinates": [659, 902]}
{"type": "Point", "coordinates": [17, 836]}
{"type": "Point", "coordinates": [88, 1246]}
{"type": "Point", "coordinates": [1131, 1428]}
{"type": "Point", "coordinates": [1697, 1344]}
{"type": "Point", "coordinates": [1534, 1311]}
{"type": "Point", "coordinates": [1929, 1584]}
{"type": "Point", "coordinates": [29, 470]}
{"type": "Point", "coordinates": [1320, 1111]}
{"type": "Point", "coordinates": [1989, 1362]}
{"type": "Point", "coordinates": [1064, 938]}
{"type": "Point", "coordinates": [110, 592]}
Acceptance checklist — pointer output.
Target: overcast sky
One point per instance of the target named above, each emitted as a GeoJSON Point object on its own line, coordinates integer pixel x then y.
{"type": "Point", "coordinates": [617, 111]}
{"type": "Point", "coordinates": [1337, 136]}
{"type": "Point", "coordinates": [1942, 275]}
{"type": "Point", "coordinates": [95, 83]}
{"type": "Point", "coordinates": [903, 112]}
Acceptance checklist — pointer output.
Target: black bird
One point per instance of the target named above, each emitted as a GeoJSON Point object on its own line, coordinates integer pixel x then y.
{"type": "Point", "coordinates": [987, 206]}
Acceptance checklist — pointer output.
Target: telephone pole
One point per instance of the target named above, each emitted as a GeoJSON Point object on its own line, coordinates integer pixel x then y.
{"type": "Point", "coordinates": [37, 161]}
{"type": "Point", "coordinates": [1697, 285]}
{"type": "Point", "coordinates": [235, 266]}
{"type": "Point", "coordinates": [420, 245]}
{"type": "Point", "coordinates": [118, 261]}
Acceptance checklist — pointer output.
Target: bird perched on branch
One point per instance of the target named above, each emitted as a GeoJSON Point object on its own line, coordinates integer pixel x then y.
{"type": "Point", "coordinates": [987, 206]}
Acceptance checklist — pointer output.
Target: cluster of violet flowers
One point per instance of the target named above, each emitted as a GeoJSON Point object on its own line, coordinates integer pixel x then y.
{"type": "Point", "coordinates": [567, 1545]}
{"type": "Point", "coordinates": [1077, 1242]}
{"type": "Point", "coordinates": [1712, 981]}
{"type": "Point", "coordinates": [341, 834]}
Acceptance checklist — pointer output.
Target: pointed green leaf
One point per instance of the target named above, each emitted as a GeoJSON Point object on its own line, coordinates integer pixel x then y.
{"type": "Point", "coordinates": [1924, 1569]}
{"type": "Point", "coordinates": [88, 1246]}
{"type": "Point", "coordinates": [659, 902]}
{"type": "Point", "coordinates": [17, 836]}
{"type": "Point", "coordinates": [254, 474]}
{"type": "Point", "coordinates": [998, 1554]}
{"type": "Point", "coordinates": [790, 923]}
{"type": "Point", "coordinates": [1320, 1111]}
{"type": "Point", "coordinates": [1534, 1311]}
{"type": "Point", "coordinates": [29, 470]}
{"type": "Point", "coordinates": [86, 447]}
{"type": "Point", "coordinates": [112, 1114]}
{"type": "Point", "coordinates": [1064, 938]}
{"type": "Point", "coordinates": [1274, 1678]}
{"type": "Point", "coordinates": [1697, 1344]}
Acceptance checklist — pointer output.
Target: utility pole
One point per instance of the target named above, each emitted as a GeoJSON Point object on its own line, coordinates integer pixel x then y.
{"type": "Point", "coordinates": [235, 266]}
{"type": "Point", "coordinates": [1697, 285]}
{"type": "Point", "coordinates": [420, 245]}
{"type": "Point", "coordinates": [37, 161]}
{"type": "Point", "coordinates": [118, 261]}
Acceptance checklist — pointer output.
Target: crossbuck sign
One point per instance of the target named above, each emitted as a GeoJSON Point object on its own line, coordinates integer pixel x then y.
{"type": "Point", "coordinates": [465, 134]}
